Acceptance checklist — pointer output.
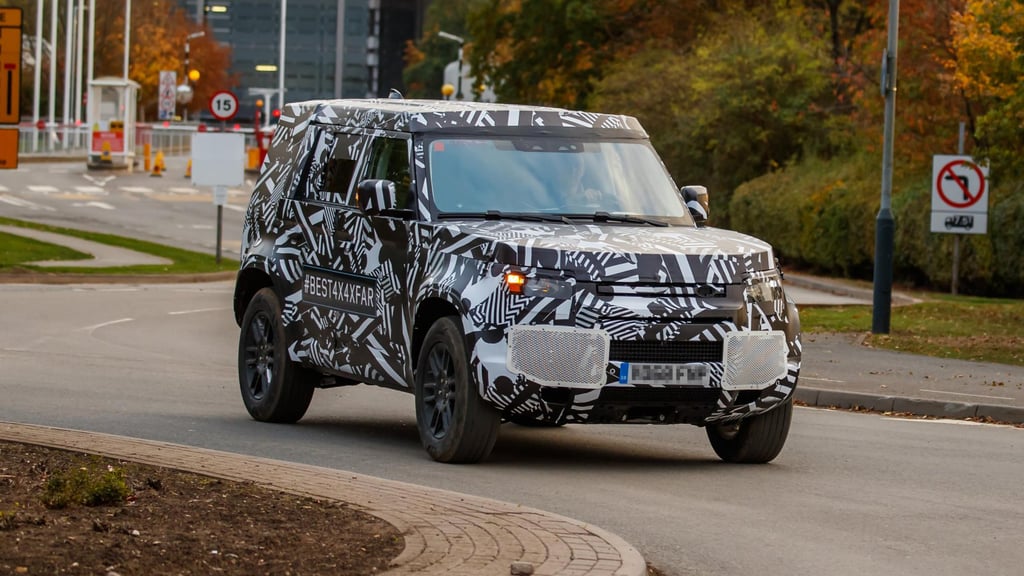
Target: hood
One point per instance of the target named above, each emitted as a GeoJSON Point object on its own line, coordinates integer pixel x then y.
{"type": "Point", "coordinates": [620, 253]}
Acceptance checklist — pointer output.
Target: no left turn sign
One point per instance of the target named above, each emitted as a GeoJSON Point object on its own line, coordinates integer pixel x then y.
{"type": "Point", "coordinates": [959, 195]}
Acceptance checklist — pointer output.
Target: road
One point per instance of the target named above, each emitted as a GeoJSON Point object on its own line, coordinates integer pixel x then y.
{"type": "Point", "coordinates": [850, 494]}
{"type": "Point", "coordinates": [167, 210]}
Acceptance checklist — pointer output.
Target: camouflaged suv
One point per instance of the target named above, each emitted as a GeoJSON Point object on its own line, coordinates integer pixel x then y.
{"type": "Point", "coordinates": [505, 263]}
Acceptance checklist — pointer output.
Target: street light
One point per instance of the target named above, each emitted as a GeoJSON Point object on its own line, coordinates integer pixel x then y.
{"type": "Point", "coordinates": [184, 91]}
{"type": "Point", "coordinates": [461, 41]}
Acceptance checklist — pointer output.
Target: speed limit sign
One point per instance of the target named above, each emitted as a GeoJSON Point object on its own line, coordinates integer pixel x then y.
{"type": "Point", "coordinates": [223, 105]}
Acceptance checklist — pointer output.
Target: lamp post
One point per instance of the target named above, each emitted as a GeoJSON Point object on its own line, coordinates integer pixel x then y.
{"type": "Point", "coordinates": [461, 41]}
{"type": "Point", "coordinates": [184, 91]}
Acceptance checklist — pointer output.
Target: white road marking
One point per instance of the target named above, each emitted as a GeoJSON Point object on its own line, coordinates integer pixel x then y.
{"type": "Point", "coordinates": [4, 188]}
{"type": "Point", "coordinates": [41, 189]}
{"type": "Point", "coordinates": [180, 190]}
{"type": "Point", "coordinates": [98, 180]}
{"type": "Point", "coordinates": [235, 208]}
{"type": "Point", "coordinates": [822, 379]}
{"type": "Point", "coordinates": [971, 395]}
{"type": "Point", "coordinates": [94, 327]}
{"type": "Point", "coordinates": [137, 189]}
{"type": "Point", "coordinates": [944, 421]}
{"type": "Point", "coordinates": [90, 190]}
{"type": "Point", "coordinates": [197, 310]}
{"type": "Point", "coordinates": [22, 203]}
{"type": "Point", "coordinates": [202, 227]}
{"type": "Point", "coordinates": [102, 205]}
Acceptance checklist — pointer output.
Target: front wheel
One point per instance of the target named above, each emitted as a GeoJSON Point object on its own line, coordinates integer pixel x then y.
{"type": "Point", "coordinates": [455, 424]}
{"type": "Point", "coordinates": [754, 440]}
{"type": "Point", "coordinates": [274, 388]}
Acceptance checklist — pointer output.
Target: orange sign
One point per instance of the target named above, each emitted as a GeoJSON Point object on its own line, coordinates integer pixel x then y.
{"type": "Point", "coordinates": [10, 65]}
{"type": "Point", "coordinates": [8, 148]}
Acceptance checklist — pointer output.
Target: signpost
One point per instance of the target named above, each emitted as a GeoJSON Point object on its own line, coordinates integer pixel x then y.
{"type": "Point", "coordinates": [218, 160]}
{"type": "Point", "coordinates": [959, 195]}
{"type": "Point", "coordinates": [168, 83]}
{"type": "Point", "coordinates": [10, 84]}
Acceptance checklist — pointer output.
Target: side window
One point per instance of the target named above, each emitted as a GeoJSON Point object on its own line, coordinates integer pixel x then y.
{"type": "Point", "coordinates": [330, 169]}
{"type": "Point", "coordinates": [390, 161]}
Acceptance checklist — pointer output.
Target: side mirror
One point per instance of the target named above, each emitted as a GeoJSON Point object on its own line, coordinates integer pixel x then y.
{"type": "Point", "coordinates": [376, 196]}
{"type": "Point", "coordinates": [696, 198]}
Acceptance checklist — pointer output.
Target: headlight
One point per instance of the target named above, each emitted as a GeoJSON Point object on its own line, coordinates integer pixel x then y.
{"type": "Point", "coordinates": [763, 287]}
{"type": "Point", "coordinates": [537, 286]}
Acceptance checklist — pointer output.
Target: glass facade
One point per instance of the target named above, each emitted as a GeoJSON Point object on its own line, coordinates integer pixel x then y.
{"type": "Point", "coordinates": [354, 56]}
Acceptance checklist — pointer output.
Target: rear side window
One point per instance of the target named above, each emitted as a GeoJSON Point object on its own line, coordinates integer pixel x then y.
{"type": "Point", "coordinates": [328, 174]}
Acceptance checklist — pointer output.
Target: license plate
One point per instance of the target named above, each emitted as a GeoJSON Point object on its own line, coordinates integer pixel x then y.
{"type": "Point", "coordinates": [664, 374]}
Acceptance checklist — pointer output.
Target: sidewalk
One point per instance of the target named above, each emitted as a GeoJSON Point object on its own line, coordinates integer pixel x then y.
{"type": "Point", "coordinates": [840, 371]}
{"type": "Point", "coordinates": [445, 532]}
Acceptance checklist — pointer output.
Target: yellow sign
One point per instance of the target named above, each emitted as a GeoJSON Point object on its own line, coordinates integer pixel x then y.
{"type": "Point", "coordinates": [8, 148]}
{"type": "Point", "coordinates": [10, 65]}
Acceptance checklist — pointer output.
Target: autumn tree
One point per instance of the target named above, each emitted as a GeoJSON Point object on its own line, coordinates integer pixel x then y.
{"type": "Point", "coordinates": [988, 69]}
{"type": "Point", "coordinates": [426, 58]}
{"type": "Point", "coordinates": [158, 32]}
{"type": "Point", "coordinates": [746, 98]}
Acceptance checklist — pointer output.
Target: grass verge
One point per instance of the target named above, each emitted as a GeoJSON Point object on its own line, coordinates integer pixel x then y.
{"type": "Point", "coordinates": [16, 250]}
{"type": "Point", "coordinates": [944, 326]}
{"type": "Point", "coordinates": [184, 261]}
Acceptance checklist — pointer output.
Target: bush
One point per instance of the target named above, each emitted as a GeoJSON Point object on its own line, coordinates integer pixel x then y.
{"type": "Point", "coordinates": [820, 215]}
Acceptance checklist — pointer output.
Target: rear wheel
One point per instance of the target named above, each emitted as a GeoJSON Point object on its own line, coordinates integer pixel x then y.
{"type": "Point", "coordinates": [274, 388]}
{"type": "Point", "coordinates": [754, 440]}
{"type": "Point", "coordinates": [455, 424]}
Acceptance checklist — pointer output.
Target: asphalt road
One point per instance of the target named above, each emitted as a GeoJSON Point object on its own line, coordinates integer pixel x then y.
{"type": "Point", "coordinates": [850, 494]}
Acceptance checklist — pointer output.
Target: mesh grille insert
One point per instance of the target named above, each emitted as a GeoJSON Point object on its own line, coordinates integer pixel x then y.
{"type": "Point", "coordinates": [657, 351]}
{"type": "Point", "coordinates": [558, 355]}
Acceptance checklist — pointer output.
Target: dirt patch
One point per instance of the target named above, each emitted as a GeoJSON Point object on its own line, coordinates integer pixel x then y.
{"type": "Point", "coordinates": [177, 523]}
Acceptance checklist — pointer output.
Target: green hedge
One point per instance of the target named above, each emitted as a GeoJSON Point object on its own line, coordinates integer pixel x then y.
{"type": "Point", "coordinates": [820, 215]}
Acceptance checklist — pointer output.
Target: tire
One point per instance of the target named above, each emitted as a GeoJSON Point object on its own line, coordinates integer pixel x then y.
{"type": "Point", "coordinates": [754, 440]}
{"type": "Point", "coordinates": [455, 424]}
{"type": "Point", "coordinates": [274, 388]}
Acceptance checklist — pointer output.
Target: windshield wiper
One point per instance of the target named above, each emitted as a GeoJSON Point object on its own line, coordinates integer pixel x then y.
{"type": "Point", "coordinates": [601, 216]}
{"type": "Point", "coordinates": [499, 215]}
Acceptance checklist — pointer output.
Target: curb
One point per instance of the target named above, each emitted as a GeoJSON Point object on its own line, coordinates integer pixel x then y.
{"type": "Point", "coordinates": [77, 278]}
{"type": "Point", "coordinates": [841, 288]}
{"type": "Point", "coordinates": [916, 406]}
{"type": "Point", "coordinates": [445, 532]}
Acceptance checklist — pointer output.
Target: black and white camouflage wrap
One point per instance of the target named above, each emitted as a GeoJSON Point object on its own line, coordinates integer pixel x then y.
{"type": "Point", "coordinates": [636, 283]}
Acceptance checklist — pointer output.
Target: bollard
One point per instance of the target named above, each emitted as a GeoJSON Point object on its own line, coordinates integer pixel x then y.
{"type": "Point", "coordinates": [147, 150]}
{"type": "Point", "coordinates": [188, 169]}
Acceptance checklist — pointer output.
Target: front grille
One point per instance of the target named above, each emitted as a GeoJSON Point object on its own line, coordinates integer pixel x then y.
{"type": "Point", "coordinates": [657, 351]}
{"type": "Point", "coordinates": [559, 355]}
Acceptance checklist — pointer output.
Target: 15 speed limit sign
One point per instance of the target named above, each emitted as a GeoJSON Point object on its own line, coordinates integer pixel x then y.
{"type": "Point", "coordinates": [223, 105]}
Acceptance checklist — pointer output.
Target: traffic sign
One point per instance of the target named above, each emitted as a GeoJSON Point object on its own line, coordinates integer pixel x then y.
{"type": "Point", "coordinates": [959, 195]}
{"type": "Point", "coordinates": [10, 65]}
{"type": "Point", "coordinates": [168, 79]}
{"type": "Point", "coordinates": [223, 105]}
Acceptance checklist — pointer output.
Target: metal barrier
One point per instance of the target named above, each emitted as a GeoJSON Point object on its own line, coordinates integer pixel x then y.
{"type": "Point", "coordinates": [70, 140]}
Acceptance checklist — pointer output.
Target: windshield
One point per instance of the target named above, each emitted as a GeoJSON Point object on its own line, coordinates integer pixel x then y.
{"type": "Point", "coordinates": [552, 176]}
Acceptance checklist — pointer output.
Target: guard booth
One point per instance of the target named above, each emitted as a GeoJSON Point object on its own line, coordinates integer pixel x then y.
{"type": "Point", "coordinates": [111, 115]}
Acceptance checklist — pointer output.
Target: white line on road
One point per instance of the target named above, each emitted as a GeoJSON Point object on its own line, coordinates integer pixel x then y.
{"type": "Point", "coordinates": [90, 190]}
{"type": "Point", "coordinates": [197, 310]}
{"type": "Point", "coordinates": [963, 394]}
{"type": "Point", "coordinates": [22, 203]}
{"type": "Point", "coordinates": [180, 190]}
{"type": "Point", "coordinates": [4, 189]}
{"type": "Point", "coordinates": [94, 327]}
{"type": "Point", "coordinates": [822, 379]}
{"type": "Point", "coordinates": [102, 205]}
{"type": "Point", "coordinates": [235, 208]}
{"type": "Point", "coordinates": [136, 189]}
{"type": "Point", "coordinates": [98, 180]}
{"type": "Point", "coordinates": [41, 189]}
